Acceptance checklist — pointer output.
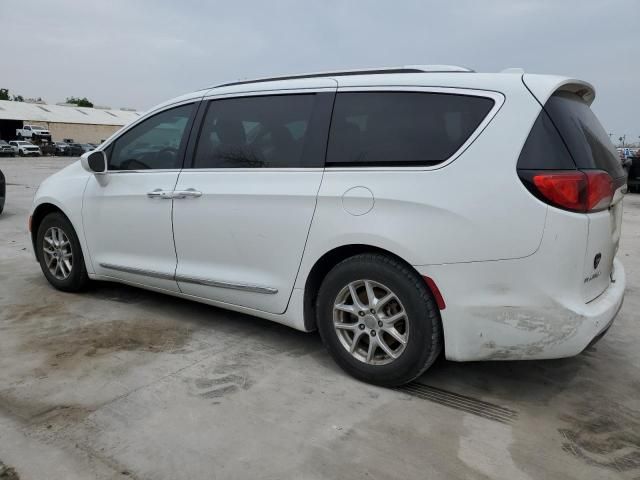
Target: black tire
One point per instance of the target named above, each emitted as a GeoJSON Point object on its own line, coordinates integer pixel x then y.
{"type": "Point", "coordinates": [20, 153]}
{"type": "Point", "coordinates": [77, 279]}
{"type": "Point", "coordinates": [424, 342]}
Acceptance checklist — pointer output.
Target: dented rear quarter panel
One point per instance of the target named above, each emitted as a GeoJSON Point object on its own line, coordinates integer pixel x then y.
{"type": "Point", "coordinates": [529, 308]}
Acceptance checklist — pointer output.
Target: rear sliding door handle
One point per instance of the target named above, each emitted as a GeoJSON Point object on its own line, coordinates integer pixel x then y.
{"type": "Point", "coordinates": [159, 193]}
{"type": "Point", "coordinates": [188, 193]}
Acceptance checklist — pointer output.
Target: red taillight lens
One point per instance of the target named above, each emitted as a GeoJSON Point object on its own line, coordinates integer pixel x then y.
{"type": "Point", "coordinates": [600, 190]}
{"type": "Point", "coordinates": [575, 190]}
{"type": "Point", "coordinates": [563, 189]}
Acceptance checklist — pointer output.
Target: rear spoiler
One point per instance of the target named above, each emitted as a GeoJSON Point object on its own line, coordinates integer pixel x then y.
{"type": "Point", "coordinates": [543, 86]}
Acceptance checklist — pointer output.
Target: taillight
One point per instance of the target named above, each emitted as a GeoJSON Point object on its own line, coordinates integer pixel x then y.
{"type": "Point", "coordinates": [575, 190]}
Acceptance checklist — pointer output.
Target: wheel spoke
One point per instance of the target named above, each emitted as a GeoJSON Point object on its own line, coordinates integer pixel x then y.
{"type": "Point", "coordinates": [371, 297]}
{"type": "Point", "coordinates": [49, 260]}
{"type": "Point", "coordinates": [384, 300]}
{"type": "Point", "coordinates": [357, 335]}
{"type": "Point", "coordinates": [67, 265]}
{"type": "Point", "coordinates": [346, 308]}
{"type": "Point", "coordinates": [354, 296]}
{"type": "Point", "coordinates": [394, 318]}
{"type": "Point", "coordinates": [345, 326]}
{"type": "Point", "coordinates": [373, 344]}
{"type": "Point", "coordinates": [387, 349]}
{"type": "Point", "coordinates": [50, 241]}
{"type": "Point", "coordinates": [396, 335]}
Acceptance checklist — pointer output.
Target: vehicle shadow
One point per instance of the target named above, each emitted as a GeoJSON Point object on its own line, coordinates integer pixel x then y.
{"type": "Point", "coordinates": [525, 382]}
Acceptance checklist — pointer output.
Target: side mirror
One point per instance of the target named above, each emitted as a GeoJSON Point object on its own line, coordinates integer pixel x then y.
{"type": "Point", "coordinates": [94, 161]}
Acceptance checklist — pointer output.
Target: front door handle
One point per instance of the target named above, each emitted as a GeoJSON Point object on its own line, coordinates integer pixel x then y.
{"type": "Point", "coordinates": [188, 193]}
{"type": "Point", "coordinates": [159, 193]}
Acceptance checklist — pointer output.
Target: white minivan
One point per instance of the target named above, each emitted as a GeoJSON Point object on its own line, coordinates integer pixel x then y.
{"type": "Point", "coordinates": [400, 212]}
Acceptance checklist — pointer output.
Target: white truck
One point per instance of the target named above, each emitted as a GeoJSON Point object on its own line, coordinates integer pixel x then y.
{"type": "Point", "coordinates": [33, 132]}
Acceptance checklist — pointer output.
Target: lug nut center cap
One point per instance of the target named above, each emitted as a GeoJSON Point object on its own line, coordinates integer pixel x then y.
{"type": "Point", "coordinates": [370, 321]}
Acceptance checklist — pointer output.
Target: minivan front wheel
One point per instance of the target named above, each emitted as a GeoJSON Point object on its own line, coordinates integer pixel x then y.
{"type": "Point", "coordinates": [59, 253]}
{"type": "Point", "coordinates": [378, 319]}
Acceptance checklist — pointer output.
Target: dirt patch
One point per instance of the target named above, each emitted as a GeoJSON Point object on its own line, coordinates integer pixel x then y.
{"type": "Point", "coordinates": [606, 439]}
{"type": "Point", "coordinates": [37, 412]}
{"type": "Point", "coordinates": [102, 338]}
{"type": "Point", "coordinates": [8, 473]}
{"type": "Point", "coordinates": [19, 314]}
{"type": "Point", "coordinates": [113, 292]}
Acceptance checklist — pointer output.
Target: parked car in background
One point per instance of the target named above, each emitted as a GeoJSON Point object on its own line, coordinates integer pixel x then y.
{"type": "Point", "coordinates": [75, 149]}
{"type": "Point", "coordinates": [633, 169]}
{"type": "Point", "coordinates": [6, 150]}
{"type": "Point", "coordinates": [400, 213]}
{"type": "Point", "coordinates": [62, 148]}
{"type": "Point", "coordinates": [93, 145]}
{"type": "Point", "coordinates": [3, 190]}
{"type": "Point", "coordinates": [87, 147]}
{"type": "Point", "coordinates": [24, 148]}
{"type": "Point", "coordinates": [33, 132]}
{"type": "Point", "coordinates": [47, 148]}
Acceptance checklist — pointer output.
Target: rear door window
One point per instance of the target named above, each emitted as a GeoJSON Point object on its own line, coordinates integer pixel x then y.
{"type": "Point", "coordinates": [401, 128]}
{"type": "Point", "coordinates": [274, 131]}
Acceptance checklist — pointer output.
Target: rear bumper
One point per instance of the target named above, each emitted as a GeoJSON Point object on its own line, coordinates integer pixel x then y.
{"type": "Point", "coordinates": [496, 311]}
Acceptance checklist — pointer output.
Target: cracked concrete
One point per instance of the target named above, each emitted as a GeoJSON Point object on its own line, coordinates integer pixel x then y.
{"type": "Point", "coordinates": [124, 383]}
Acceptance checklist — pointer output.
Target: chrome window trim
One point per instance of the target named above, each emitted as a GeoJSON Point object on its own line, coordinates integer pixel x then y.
{"type": "Point", "coordinates": [246, 287]}
{"type": "Point", "coordinates": [148, 170]}
{"type": "Point", "coordinates": [255, 170]}
{"type": "Point", "coordinates": [212, 95]}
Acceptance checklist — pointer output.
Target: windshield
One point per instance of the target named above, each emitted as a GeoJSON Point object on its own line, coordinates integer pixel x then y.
{"type": "Point", "coordinates": [36, 127]}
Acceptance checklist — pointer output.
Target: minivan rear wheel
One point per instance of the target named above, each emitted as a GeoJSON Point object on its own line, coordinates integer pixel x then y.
{"type": "Point", "coordinates": [59, 253]}
{"type": "Point", "coordinates": [378, 319]}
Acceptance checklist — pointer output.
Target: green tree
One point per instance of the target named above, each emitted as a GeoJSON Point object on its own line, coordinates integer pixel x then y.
{"type": "Point", "coordinates": [81, 102]}
{"type": "Point", "coordinates": [4, 95]}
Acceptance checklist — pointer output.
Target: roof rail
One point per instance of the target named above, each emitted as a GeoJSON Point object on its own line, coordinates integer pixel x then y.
{"type": "Point", "coordinates": [366, 71]}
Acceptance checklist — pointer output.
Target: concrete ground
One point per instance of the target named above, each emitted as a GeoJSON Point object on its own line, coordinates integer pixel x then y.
{"type": "Point", "coordinates": [123, 383]}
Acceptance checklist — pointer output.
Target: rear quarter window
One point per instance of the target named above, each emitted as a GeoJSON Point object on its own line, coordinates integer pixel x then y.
{"type": "Point", "coordinates": [586, 140]}
{"type": "Point", "coordinates": [401, 128]}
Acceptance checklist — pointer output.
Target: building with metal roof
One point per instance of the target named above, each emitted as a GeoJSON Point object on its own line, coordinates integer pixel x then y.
{"type": "Point", "coordinates": [85, 125]}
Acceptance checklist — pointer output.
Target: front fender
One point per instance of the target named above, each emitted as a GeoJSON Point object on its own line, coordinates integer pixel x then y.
{"type": "Point", "coordinates": [64, 190]}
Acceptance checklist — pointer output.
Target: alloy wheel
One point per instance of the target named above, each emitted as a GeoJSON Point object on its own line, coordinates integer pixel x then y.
{"type": "Point", "coordinates": [58, 254]}
{"type": "Point", "coordinates": [371, 322]}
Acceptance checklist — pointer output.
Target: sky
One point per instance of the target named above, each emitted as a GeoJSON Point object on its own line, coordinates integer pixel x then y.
{"type": "Point", "coordinates": [137, 53]}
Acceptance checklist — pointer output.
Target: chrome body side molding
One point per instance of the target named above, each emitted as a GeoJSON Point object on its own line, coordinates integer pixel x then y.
{"type": "Point", "coordinates": [231, 285]}
{"type": "Point", "coordinates": [196, 280]}
{"type": "Point", "coordinates": [139, 271]}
